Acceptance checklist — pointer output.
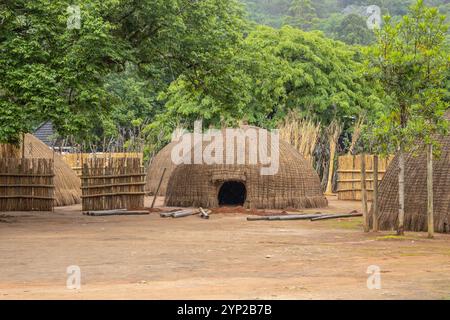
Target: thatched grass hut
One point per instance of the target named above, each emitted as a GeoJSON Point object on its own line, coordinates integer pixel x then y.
{"type": "Point", "coordinates": [155, 170]}
{"type": "Point", "coordinates": [67, 183]}
{"type": "Point", "coordinates": [416, 192]}
{"type": "Point", "coordinates": [294, 185]}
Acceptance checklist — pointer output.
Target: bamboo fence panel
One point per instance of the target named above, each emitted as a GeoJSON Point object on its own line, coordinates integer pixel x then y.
{"type": "Point", "coordinates": [76, 160]}
{"type": "Point", "coordinates": [349, 175]}
{"type": "Point", "coordinates": [114, 183]}
{"type": "Point", "coordinates": [26, 184]}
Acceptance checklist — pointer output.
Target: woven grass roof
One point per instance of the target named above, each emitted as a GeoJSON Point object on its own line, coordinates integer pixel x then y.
{"type": "Point", "coordinates": [416, 192]}
{"type": "Point", "coordinates": [295, 185]}
{"type": "Point", "coordinates": [155, 169]}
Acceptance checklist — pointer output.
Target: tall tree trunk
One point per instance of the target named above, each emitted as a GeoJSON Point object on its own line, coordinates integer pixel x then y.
{"type": "Point", "coordinates": [401, 193]}
{"type": "Point", "coordinates": [375, 194]}
{"type": "Point", "coordinates": [364, 192]}
{"type": "Point", "coordinates": [430, 211]}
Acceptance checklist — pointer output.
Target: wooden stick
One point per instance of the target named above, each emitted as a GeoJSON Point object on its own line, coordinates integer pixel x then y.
{"type": "Point", "coordinates": [204, 214]}
{"type": "Point", "coordinates": [185, 214]}
{"type": "Point", "coordinates": [119, 212]}
{"type": "Point", "coordinates": [375, 194]}
{"type": "Point", "coordinates": [285, 217]}
{"type": "Point", "coordinates": [157, 189]}
{"type": "Point", "coordinates": [364, 191]}
{"type": "Point", "coordinates": [170, 213]}
{"type": "Point", "coordinates": [430, 209]}
{"type": "Point", "coordinates": [336, 216]}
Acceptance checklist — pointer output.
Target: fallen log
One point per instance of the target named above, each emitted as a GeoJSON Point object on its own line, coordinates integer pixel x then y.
{"type": "Point", "coordinates": [168, 214]}
{"type": "Point", "coordinates": [337, 216]}
{"type": "Point", "coordinates": [119, 212]}
{"type": "Point", "coordinates": [185, 213]}
{"type": "Point", "coordinates": [285, 217]}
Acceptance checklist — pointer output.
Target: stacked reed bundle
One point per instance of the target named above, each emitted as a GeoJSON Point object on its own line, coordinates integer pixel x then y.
{"type": "Point", "coordinates": [303, 134]}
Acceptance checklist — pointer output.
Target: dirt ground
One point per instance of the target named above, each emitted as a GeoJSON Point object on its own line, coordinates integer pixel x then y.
{"type": "Point", "coordinates": [225, 257]}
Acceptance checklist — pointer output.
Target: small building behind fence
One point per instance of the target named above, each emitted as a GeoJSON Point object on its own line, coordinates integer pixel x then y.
{"type": "Point", "coordinates": [349, 175]}
{"type": "Point", "coordinates": [115, 183]}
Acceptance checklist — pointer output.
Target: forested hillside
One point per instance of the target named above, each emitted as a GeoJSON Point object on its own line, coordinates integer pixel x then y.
{"type": "Point", "coordinates": [343, 20]}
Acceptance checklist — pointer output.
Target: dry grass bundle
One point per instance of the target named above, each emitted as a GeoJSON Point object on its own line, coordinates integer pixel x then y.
{"type": "Point", "coordinates": [334, 131]}
{"type": "Point", "coordinates": [303, 134]}
{"type": "Point", "coordinates": [67, 184]}
{"type": "Point", "coordinates": [356, 134]}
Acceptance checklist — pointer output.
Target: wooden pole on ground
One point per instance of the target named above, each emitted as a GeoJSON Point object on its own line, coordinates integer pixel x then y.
{"type": "Point", "coordinates": [157, 189]}
{"type": "Point", "coordinates": [364, 191]}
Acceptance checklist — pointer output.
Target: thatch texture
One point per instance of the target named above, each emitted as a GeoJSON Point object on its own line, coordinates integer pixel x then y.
{"type": "Point", "coordinates": [416, 192]}
{"type": "Point", "coordinates": [154, 171]}
{"type": "Point", "coordinates": [67, 184]}
{"type": "Point", "coordinates": [295, 185]}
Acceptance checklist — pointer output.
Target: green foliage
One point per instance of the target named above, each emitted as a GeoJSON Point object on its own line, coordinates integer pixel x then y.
{"type": "Point", "coordinates": [330, 15]}
{"type": "Point", "coordinates": [48, 71]}
{"type": "Point", "coordinates": [411, 62]}
{"type": "Point", "coordinates": [353, 30]}
{"type": "Point", "coordinates": [272, 72]}
{"type": "Point", "coordinates": [301, 14]}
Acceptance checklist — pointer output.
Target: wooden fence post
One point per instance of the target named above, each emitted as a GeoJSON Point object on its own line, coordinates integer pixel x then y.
{"type": "Point", "coordinates": [364, 192]}
{"type": "Point", "coordinates": [375, 194]}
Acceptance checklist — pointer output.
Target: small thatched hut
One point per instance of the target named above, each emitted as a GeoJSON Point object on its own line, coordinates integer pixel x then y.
{"type": "Point", "coordinates": [294, 185]}
{"type": "Point", "coordinates": [416, 192]}
{"type": "Point", "coordinates": [67, 183]}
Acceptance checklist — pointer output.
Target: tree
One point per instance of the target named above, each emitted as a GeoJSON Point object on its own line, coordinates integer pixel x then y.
{"type": "Point", "coordinates": [406, 62]}
{"type": "Point", "coordinates": [301, 14]}
{"type": "Point", "coordinates": [50, 71]}
{"type": "Point", "coordinates": [269, 74]}
{"type": "Point", "coordinates": [353, 30]}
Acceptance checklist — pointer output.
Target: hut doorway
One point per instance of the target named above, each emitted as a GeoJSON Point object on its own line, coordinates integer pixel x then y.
{"type": "Point", "coordinates": [232, 193]}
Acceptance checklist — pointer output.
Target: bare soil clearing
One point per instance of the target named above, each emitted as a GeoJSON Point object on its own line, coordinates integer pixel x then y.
{"type": "Point", "coordinates": [148, 257]}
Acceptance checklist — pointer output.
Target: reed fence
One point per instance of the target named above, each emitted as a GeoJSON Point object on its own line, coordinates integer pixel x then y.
{"type": "Point", "coordinates": [114, 183]}
{"type": "Point", "coordinates": [76, 160]}
{"type": "Point", "coordinates": [349, 175]}
{"type": "Point", "coordinates": [26, 184]}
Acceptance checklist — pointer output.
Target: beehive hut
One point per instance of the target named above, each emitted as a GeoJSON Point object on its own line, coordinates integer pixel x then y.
{"type": "Point", "coordinates": [155, 170]}
{"type": "Point", "coordinates": [294, 185]}
{"type": "Point", "coordinates": [416, 192]}
{"type": "Point", "coordinates": [67, 183]}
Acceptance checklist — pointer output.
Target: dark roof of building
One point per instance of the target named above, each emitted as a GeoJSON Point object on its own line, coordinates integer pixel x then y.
{"type": "Point", "coordinates": [45, 133]}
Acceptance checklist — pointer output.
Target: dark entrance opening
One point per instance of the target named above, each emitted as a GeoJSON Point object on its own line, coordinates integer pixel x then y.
{"type": "Point", "coordinates": [232, 193]}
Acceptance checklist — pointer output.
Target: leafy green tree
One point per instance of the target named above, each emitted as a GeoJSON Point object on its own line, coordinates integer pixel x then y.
{"type": "Point", "coordinates": [410, 62]}
{"type": "Point", "coordinates": [353, 30]}
{"type": "Point", "coordinates": [301, 14]}
{"type": "Point", "coordinates": [270, 73]}
{"type": "Point", "coordinates": [50, 71]}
